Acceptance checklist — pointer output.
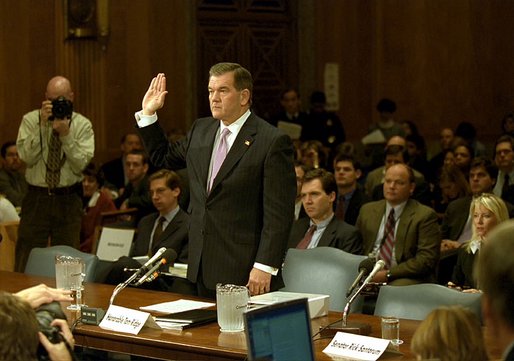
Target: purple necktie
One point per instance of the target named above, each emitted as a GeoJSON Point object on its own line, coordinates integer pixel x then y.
{"type": "Point", "coordinates": [219, 156]}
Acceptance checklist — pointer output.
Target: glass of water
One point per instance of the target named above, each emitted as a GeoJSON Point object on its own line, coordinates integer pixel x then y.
{"type": "Point", "coordinates": [69, 275]}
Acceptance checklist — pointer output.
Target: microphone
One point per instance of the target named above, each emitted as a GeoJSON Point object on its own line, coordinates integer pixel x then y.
{"type": "Point", "coordinates": [154, 258]}
{"type": "Point", "coordinates": [365, 268]}
{"type": "Point", "coordinates": [378, 266]}
{"type": "Point", "coordinates": [169, 256]}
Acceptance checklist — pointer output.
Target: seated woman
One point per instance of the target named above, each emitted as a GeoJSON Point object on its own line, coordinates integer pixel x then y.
{"type": "Point", "coordinates": [95, 201]}
{"type": "Point", "coordinates": [450, 334]}
{"type": "Point", "coordinates": [487, 211]}
{"type": "Point", "coordinates": [452, 184]}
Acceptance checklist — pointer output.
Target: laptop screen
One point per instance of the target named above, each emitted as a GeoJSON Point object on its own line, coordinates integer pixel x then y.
{"type": "Point", "coordinates": [280, 331]}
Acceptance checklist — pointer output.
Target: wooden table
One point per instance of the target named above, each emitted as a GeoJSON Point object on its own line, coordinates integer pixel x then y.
{"type": "Point", "coordinates": [204, 342]}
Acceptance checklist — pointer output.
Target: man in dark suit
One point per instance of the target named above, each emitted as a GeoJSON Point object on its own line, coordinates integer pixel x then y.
{"type": "Point", "coordinates": [350, 194]}
{"type": "Point", "coordinates": [114, 170]}
{"type": "Point", "coordinates": [401, 231]}
{"type": "Point", "coordinates": [496, 280]}
{"type": "Point", "coordinates": [322, 228]}
{"type": "Point", "coordinates": [241, 179]}
{"type": "Point", "coordinates": [166, 228]}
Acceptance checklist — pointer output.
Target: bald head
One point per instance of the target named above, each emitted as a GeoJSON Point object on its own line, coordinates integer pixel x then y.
{"type": "Point", "coordinates": [59, 86]}
{"type": "Point", "coordinates": [397, 140]}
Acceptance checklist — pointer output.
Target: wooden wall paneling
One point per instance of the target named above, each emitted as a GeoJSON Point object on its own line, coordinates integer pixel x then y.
{"type": "Point", "coordinates": [260, 35]}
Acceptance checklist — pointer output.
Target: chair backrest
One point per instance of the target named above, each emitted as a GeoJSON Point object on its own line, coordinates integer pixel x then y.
{"type": "Point", "coordinates": [41, 261]}
{"type": "Point", "coordinates": [9, 235]}
{"type": "Point", "coordinates": [322, 270]}
{"type": "Point", "coordinates": [416, 301]}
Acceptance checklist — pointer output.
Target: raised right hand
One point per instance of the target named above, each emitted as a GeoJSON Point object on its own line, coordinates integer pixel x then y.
{"type": "Point", "coordinates": [154, 97]}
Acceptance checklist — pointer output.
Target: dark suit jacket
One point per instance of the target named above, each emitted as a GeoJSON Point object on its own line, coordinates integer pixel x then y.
{"type": "Point", "coordinates": [138, 197]}
{"type": "Point", "coordinates": [463, 270]}
{"type": "Point", "coordinates": [457, 214]}
{"type": "Point", "coordinates": [338, 234]}
{"type": "Point", "coordinates": [358, 199]}
{"type": "Point", "coordinates": [14, 186]}
{"type": "Point", "coordinates": [417, 239]}
{"type": "Point", "coordinates": [113, 172]}
{"type": "Point", "coordinates": [248, 213]}
{"type": "Point", "coordinates": [174, 236]}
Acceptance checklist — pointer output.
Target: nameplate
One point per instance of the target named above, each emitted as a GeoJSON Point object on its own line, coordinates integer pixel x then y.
{"type": "Point", "coordinates": [127, 320]}
{"type": "Point", "coordinates": [356, 347]}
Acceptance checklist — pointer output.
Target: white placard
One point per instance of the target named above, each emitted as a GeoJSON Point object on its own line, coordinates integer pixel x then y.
{"type": "Point", "coordinates": [177, 306]}
{"type": "Point", "coordinates": [356, 347]}
{"type": "Point", "coordinates": [127, 320]}
{"type": "Point", "coordinates": [292, 129]}
{"type": "Point", "coordinates": [114, 243]}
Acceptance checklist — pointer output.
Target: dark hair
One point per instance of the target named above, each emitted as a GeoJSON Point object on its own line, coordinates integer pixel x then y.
{"type": "Point", "coordinates": [395, 150]}
{"type": "Point", "coordinates": [172, 179]}
{"type": "Point", "coordinates": [92, 170]}
{"type": "Point", "coordinates": [318, 97]}
{"type": "Point", "coordinates": [488, 165]}
{"type": "Point", "coordinates": [140, 152]}
{"type": "Point", "coordinates": [453, 174]}
{"type": "Point", "coordinates": [343, 157]}
{"type": "Point", "coordinates": [242, 77]}
{"type": "Point", "coordinates": [509, 115]}
{"type": "Point", "coordinates": [124, 136]}
{"type": "Point", "coordinates": [327, 179]}
{"type": "Point", "coordinates": [466, 130]}
{"type": "Point", "coordinates": [418, 141]}
{"type": "Point", "coordinates": [413, 127]}
{"type": "Point", "coordinates": [386, 105]}
{"type": "Point", "coordinates": [287, 90]}
{"type": "Point", "coordinates": [503, 139]}
{"type": "Point", "coordinates": [5, 146]}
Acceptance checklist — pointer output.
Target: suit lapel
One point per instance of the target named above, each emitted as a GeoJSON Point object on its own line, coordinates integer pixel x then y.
{"type": "Point", "coordinates": [242, 143]}
{"type": "Point", "coordinates": [328, 234]}
{"type": "Point", "coordinates": [175, 223]}
{"type": "Point", "coordinates": [201, 157]}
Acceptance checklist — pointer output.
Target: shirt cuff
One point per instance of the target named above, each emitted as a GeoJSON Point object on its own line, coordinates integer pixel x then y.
{"type": "Point", "coordinates": [265, 268]}
{"type": "Point", "coordinates": [144, 120]}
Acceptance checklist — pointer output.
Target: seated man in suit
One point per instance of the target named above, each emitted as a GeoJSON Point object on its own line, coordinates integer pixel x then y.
{"type": "Point", "coordinates": [322, 228]}
{"type": "Point", "coordinates": [496, 278]}
{"type": "Point", "coordinates": [166, 228]}
{"type": "Point", "coordinates": [136, 193]}
{"type": "Point", "coordinates": [350, 194]}
{"type": "Point", "coordinates": [114, 171]}
{"type": "Point", "coordinates": [400, 231]}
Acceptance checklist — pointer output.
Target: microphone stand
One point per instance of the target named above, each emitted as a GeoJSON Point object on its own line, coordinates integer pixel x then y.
{"type": "Point", "coordinates": [122, 285]}
{"type": "Point", "coordinates": [342, 324]}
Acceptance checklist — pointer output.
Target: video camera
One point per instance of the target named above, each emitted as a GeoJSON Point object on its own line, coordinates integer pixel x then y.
{"type": "Point", "coordinates": [61, 108]}
{"type": "Point", "coordinates": [45, 314]}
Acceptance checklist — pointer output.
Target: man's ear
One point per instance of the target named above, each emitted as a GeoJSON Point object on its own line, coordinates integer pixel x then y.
{"type": "Point", "coordinates": [358, 173]}
{"type": "Point", "coordinates": [245, 97]}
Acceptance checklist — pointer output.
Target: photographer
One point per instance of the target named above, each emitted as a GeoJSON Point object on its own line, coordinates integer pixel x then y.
{"type": "Point", "coordinates": [56, 143]}
{"type": "Point", "coordinates": [21, 328]}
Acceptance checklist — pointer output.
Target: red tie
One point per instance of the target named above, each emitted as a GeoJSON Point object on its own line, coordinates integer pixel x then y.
{"type": "Point", "coordinates": [304, 243]}
{"type": "Point", "coordinates": [386, 251]}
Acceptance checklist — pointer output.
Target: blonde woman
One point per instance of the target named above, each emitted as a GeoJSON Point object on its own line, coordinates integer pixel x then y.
{"type": "Point", "coordinates": [449, 334]}
{"type": "Point", "coordinates": [486, 211]}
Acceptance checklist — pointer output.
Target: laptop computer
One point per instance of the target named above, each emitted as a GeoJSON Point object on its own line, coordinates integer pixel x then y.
{"type": "Point", "coordinates": [280, 332]}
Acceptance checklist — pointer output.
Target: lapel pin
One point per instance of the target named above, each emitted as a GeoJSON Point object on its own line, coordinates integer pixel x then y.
{"type": "Point", "coordinates": [247, 143]}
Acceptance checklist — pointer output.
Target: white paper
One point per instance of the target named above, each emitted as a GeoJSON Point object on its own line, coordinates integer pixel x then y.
{"type": "Point", "coordinates": [114, 243]}
{"type": "Point", "coordinates": [375, 137]}
{"type": "Point", "coordinates": [176, 306]}
{"type": "Point", "coordinates": [356, 347]}
{"type": "Point", "coordinates": [122, 319]}
{"type": "Point", "coordinates": [292, 129]}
